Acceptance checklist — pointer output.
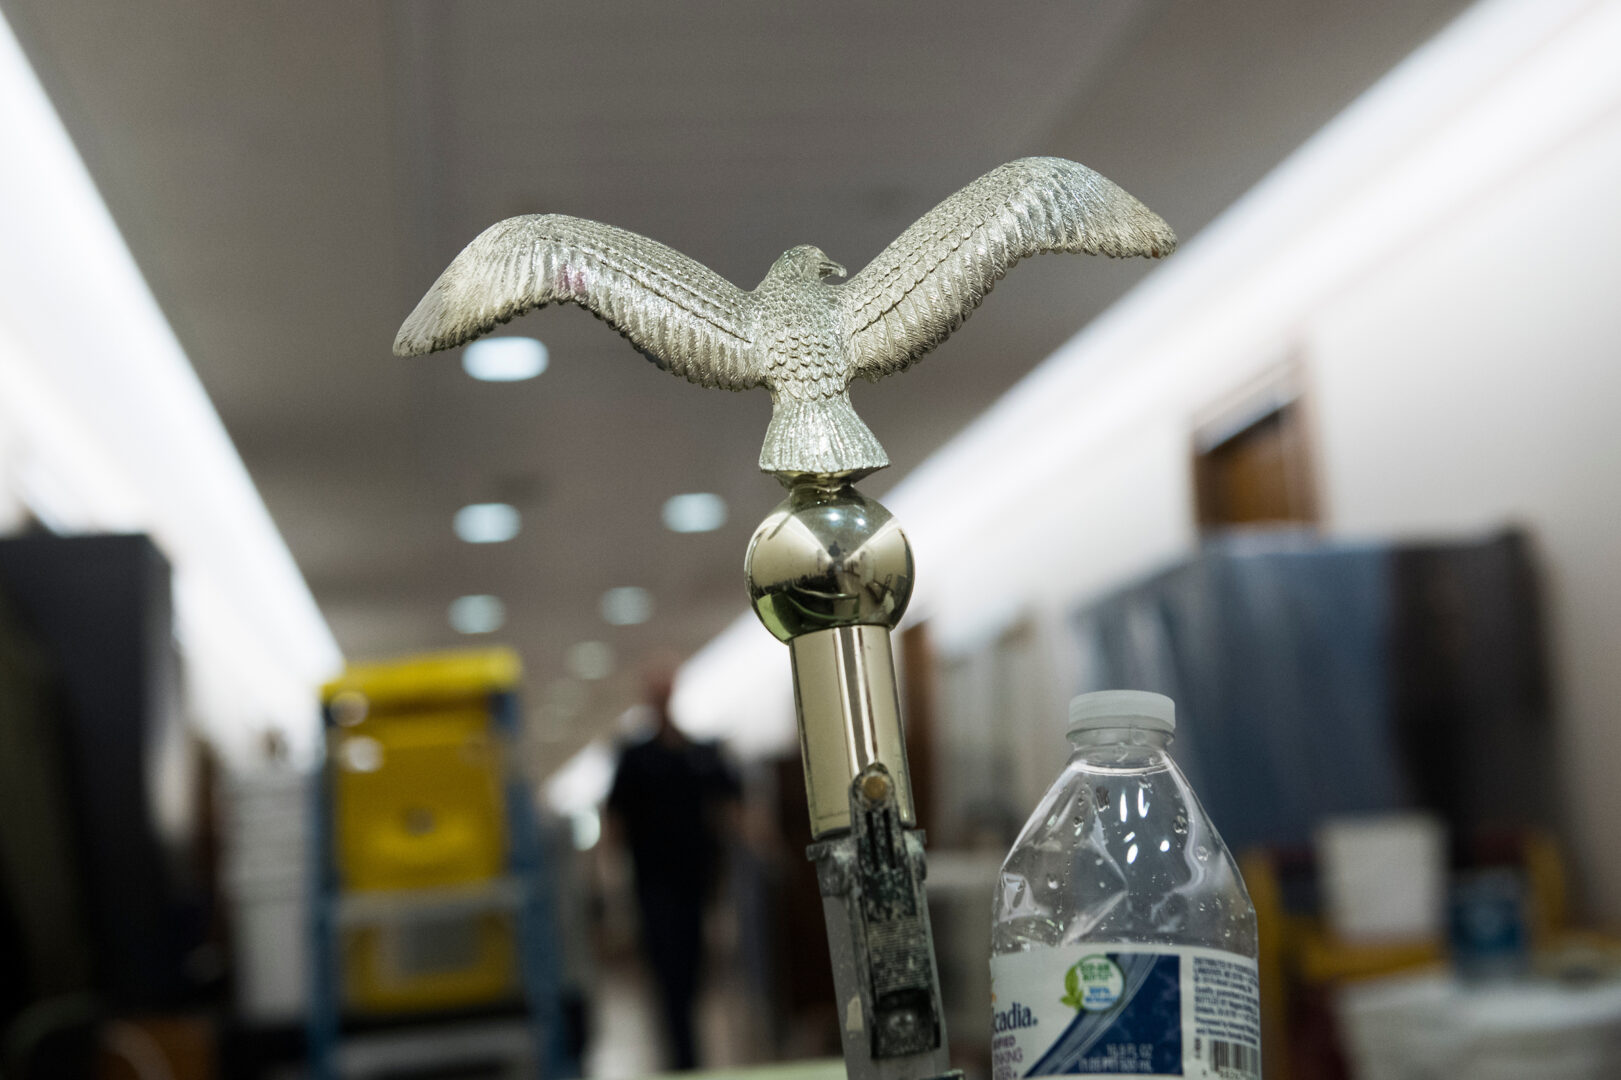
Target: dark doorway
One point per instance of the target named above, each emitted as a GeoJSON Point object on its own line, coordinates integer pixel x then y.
{"type": "Point", "coordinates": [1258, 475]}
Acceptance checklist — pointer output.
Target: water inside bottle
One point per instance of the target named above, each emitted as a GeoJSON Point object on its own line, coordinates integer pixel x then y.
{"type": "Point", "coordinates": [1120, 848]}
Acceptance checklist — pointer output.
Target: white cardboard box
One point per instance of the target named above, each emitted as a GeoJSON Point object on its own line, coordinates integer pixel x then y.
{"type": "Point", "coordinates": [1383, 878]}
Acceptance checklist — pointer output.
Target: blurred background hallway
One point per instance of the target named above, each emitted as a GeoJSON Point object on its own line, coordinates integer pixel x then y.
{"type": "Point", "coordinates": [317, 665]}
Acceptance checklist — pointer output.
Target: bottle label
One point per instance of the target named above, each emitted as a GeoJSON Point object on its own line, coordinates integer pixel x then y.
{"type": "Point", "coordinates": [1101, 1009]}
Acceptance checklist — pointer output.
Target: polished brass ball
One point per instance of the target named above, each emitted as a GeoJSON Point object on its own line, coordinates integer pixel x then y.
{"type": "Point", "coordinates": [828, 556]}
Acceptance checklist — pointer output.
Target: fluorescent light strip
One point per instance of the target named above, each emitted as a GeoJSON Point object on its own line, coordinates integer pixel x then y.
{"type": "Point", "coordinates": [1507, 80]}
{"type": "Point", "coordinates": [144, 448]}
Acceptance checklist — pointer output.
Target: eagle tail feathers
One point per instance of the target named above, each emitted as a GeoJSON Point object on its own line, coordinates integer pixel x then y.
{"type": "Point", "coordinates": [823, 436]}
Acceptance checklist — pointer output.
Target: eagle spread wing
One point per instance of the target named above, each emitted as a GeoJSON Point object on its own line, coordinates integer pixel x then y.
{"type": "Point", "coordinates": [925, 284]}
{"type": "Point", "coordinates": [685, 317]}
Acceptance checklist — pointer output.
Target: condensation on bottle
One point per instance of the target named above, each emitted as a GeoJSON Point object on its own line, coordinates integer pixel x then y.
{"type": "Point", "coordinates": [1123, 940]}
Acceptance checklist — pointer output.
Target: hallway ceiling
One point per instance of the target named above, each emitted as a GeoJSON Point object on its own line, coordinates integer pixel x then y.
{"type": "Point", "coordinates": [292, 176]}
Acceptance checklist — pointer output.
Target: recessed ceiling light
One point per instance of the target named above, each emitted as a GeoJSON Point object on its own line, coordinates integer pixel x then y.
{"type": "Point", "coordinates": [487, 523]}
{"type": "Point", "coordinates": [627, 606]}
{"type": "Point", "coordinates": [697, 512]}
{"type": "Point", "coordinates": [504, 359]}
{"type": "Point", "coordinates": [477, 614]}
{"type": "Point", "coordinates": [590, 660]}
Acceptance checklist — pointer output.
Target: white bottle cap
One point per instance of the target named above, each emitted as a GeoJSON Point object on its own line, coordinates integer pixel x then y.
{"type": "Point", "coordinates": [1122, 709]}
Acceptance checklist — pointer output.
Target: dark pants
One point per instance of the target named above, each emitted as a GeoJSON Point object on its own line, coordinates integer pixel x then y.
{"type": "Point", "coordinates": [672, 932]}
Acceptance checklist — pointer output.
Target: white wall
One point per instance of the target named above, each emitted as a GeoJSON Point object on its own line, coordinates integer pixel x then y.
{"type": "Point", "coordinates": [1444, 264]}
{"type": "Point", "coordinates": [1477, 380]}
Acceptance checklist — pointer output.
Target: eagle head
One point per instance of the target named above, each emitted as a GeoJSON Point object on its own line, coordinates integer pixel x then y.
{"type": "Point", "coordinates": [805, 263]}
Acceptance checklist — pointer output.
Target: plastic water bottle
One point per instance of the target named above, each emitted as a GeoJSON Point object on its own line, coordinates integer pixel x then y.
{"type": "Point", "coordinates": [1123, 941]}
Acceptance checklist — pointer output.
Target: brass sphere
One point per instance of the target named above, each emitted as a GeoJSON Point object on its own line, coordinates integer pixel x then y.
{"type": "Point", "coordinates": [828, 556]}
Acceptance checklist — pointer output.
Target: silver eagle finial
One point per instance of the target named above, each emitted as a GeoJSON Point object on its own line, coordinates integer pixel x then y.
{"type": "Point", "coordinates": [796, 334]}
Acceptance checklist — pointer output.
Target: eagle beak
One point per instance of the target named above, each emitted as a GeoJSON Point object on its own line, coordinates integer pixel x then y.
{"type": "Point", "coordinates": [828, 268]}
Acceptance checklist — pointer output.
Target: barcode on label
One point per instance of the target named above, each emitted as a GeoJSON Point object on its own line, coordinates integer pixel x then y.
{"type": "Point", "coordinates": [1240, 1059]}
